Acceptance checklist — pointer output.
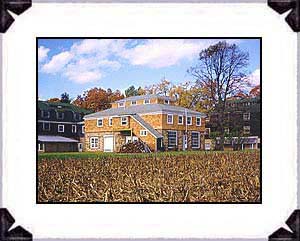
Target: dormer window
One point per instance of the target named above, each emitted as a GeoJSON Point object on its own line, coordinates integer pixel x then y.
{"type": "Point", "coordinates": [121, 104]}
{"type": "Point", "coordinates": [146, 102]}
{"type": "Point", "coordinates": [60, 115]}
{"type": "Point", "coordinates": [167, 102]}
{"type": "Point", "coordinates": [133, 102]}
{"type": "Point", "coordinates": [45, 114]}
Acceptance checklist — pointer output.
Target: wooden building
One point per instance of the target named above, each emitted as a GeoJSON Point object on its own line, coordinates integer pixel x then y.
{"type": "Point", "coordinates": [60, 127]}
{"type": "Point", "coordinates": [153, 119]}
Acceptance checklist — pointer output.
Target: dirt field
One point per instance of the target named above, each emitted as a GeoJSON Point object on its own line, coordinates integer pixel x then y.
{"type": "Point", "coordinates": [166, 177]}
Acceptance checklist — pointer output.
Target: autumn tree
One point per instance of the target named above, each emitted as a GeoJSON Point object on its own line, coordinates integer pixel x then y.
{"type": "Point", "coordinates": [221, 72]}
{"type": "Point", "coordinates": [53, 100]}
{"type": "Point", "coordinates": [97, 99]}
{"type": "Point", "coordinates": [255, 92]}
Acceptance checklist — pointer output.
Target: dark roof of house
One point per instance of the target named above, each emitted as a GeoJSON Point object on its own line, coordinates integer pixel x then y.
{"type": "Point", "coordinates": [145, 97]}
{"type": "Point", "coordinates": [45, 105]}
{"type": "Point", "coordinates": [56, 139]}
{"type": "Point", "coordinates": [141, 109]}
{"type": "Point", "coordinates": [154, 132]}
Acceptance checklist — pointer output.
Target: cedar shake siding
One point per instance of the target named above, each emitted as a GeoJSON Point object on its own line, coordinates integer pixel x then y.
{"type": "Point", "coordinates": [147, 120]}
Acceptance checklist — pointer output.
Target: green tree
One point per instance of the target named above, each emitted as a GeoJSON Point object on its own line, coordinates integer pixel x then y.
{"type": "Point", "coordinates": [65, 98]}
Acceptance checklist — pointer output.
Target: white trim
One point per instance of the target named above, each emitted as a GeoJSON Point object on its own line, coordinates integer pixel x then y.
{"type": "Point", "coordinates": [106, 136]}
{"type": "Point", "coordinates": [187, 120]}
{"type": "Point", "coordinates": [75, 129]}
{"type": "Point", "coordinates": [126, 120]}
{"type": "Point", "coordinates": [166, 102]}
{"type": "Point", "coordinates": [199, 137]}
{"type": "Point", "coordinates": [182, 120]}
{"type": "Point", "coordinates": [147, 103]}
{"type": "Point", "coordinates": [59, 122]}
{"type": "Point", "coordinates": [110, 121]}
{"type": "Point", "coordinates": [144, 134]}
{"type": "Point", "coordinates": [133, 101]}
{"type": "Point", "coordinates": [42, 114]}
{"type": "Point", "coordinates": [83, 129]}
{"type": "Point", "coordinates": [197, 117]}
{"type": "Point", "coordinates": [41, 145]}
{"type": "Point", "coordinates": [60, 112]}
{"type": "Point", "coordinates": [145, 127]}
{"type": "Point", "coordinates": [93, 145]}
{"type": "Point", "coordinates": [101, 118]}
{"type": "Point", "coordinates": [121, 103]}
{"type": "Point", "coordinates": [63, 130]}
{"type": "Point", "coordinates": [170, 123]}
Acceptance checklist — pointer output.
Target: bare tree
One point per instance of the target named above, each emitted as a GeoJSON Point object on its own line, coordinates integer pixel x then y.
{"type": "Point", "coordinates": [221, 71]}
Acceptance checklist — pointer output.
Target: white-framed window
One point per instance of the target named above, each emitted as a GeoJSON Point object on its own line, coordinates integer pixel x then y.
{"type": "Point", "coordinates": [61, 128]}
{"type": "Point", "coordinates": [41, 147]}
{"type": "Point", "coordinates": [60, 115]}
{"type": "Point", "coordinates": [121, 104]}
{"type": "Point", "coordinates": [143, 133]}
{"type": "Point", "coordinates": [167, 102]}
{"type": "Point", "coordinates": [172, 139]}
{"type": "Point", "coordinates": [110, 121]}
{"type": "Point", "coordinates": [46, 126]}
{"type": "Point", "coordinates": [207, 131]}
{"type": "Point", "coordinates": [169, 119]}
{"type": "Point", "coordinates": [133, 102]}
{"type": "Point", "coordinates": [146, 102]}
{"type": "Point", "coordinates": [226, 130]}
{"type": "Point", "coordinates": [124, 121]}
{"type": "Point", "coordinates": [82, 130]}
{"type": "Point", "coordinates": [94, 142]}
{"type": "Point", "coordinates": [246, 116]}
{"type": "Point", "coordinates": [180, 120]}
{"type": "Point", "coordinates": [76, 116]}
{"type": "Point", "coordinates": [195, 139]}
{"type": "Point", "coordinates": [246, 130]}
{"type": "Point", "coordinates": [45, 114]}
{"type": "Point", "coordinates": [100, 122]}
{"type": "Point", "coordinates": [198, 121]}
{"type": "Point", "coordinates": [74, 128]}
{"type": "Point", "coordinates": [189, 120]}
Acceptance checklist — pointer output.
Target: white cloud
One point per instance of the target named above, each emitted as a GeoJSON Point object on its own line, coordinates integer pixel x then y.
{"type": "Point", "coordinates": [254, 78]}
{"type": "Point", "coordinates": [58, 62]}
{"type": "Point", "coordinates": [83, 77]}
{"type": "Point", "coordinates": [158, 53]}
{"type": "Point", "coordinates": [42, 53]}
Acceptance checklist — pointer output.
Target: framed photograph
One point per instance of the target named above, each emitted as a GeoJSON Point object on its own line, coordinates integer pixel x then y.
{"type": "Point", "coordinates": [150, 120]}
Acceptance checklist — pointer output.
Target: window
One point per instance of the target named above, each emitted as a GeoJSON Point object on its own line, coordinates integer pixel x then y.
{"type": "Point", "coordinates": [195, 139]}
{"type": "Point", "coordinates": [226, 130]}
{"type": "Point", "coordinates": [143, 133]}
{"type": "Point", "coordinates": [60, 128]}
{"type": "Point", "coordinates": [246, 130]}
{"type": "Point", "coordinates": [110, 121]}
{"type": "Point", "coordinates": [180, 120]}
{"type": "Point", "coordinates": [189, 121]}
{"type": "Point", "coordinates": [82, 129]}
{"type": "Point", "coordinates": [246, 116]}
{"type": "Point", "coordinates": [94, 142]}
{"type": "Point", "coordinates": [46, 126]}
{"type": "Point", "coordinates": [60, 115]}
{"type": "Point", "coordinates": [167, 102]}
{"type": "Point", "coordinates": [133, 102]}
{"type": "Point", "coordinates": [170, 119]}
{"type": "Point", "coordinates": [124, 121]}
{"type": "Point", "coordinates": [121, 104]}
{"type": "Point", "coordinates": [45, 114]}
{"type": "Point", "coordinates": [74, 128]}
{"type": "Point", "coordinates": [41, 147]}
{"type": "Point", "coordinates": [172, 139]}
{"type": "Point", "coordinates": [198, 121]}
{"type": "Point", "coordinates": [100, 122]}
{"type": "Point", "coordinates": [207, 131]}
{"type": "Point", "coordinates": [146, 102]}
{"type": "Point", "coordinates": [76, 116]}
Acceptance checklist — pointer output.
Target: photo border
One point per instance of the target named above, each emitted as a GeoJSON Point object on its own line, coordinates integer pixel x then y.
{"type": "Point", "coordinates": [281, 6]}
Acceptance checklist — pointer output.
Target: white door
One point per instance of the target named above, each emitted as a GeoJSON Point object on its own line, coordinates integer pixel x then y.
{"type": "Point", "coordinates": [184, 142]}
{"type": "Point", "coordinates": [108, 143]}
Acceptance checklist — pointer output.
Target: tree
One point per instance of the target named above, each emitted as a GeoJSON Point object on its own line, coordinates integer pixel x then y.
{"type": "Point", "coordinates": [255, 92]}
{"type": "Point", "coordinates": [221, 72]}
{"type": "Point", "coordinates": [131, 91]}
{"type": "Point", "coordinates": [54, 100]}
{"type": "Point", "coordinates": [65, 98]}
{"type": "Point", "coordinates": [97, 99]}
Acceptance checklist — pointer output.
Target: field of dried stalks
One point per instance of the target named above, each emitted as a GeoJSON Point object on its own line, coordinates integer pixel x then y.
{"type": "Point", "coordinates": [169, 177]}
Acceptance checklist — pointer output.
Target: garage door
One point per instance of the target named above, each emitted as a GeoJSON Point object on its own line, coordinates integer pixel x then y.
{"type": "Point", "coordinates": [108, 143]}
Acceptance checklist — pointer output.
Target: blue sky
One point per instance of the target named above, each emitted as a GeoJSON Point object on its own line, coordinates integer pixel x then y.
{"type": "Point", "coordinates": [76, 65]}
